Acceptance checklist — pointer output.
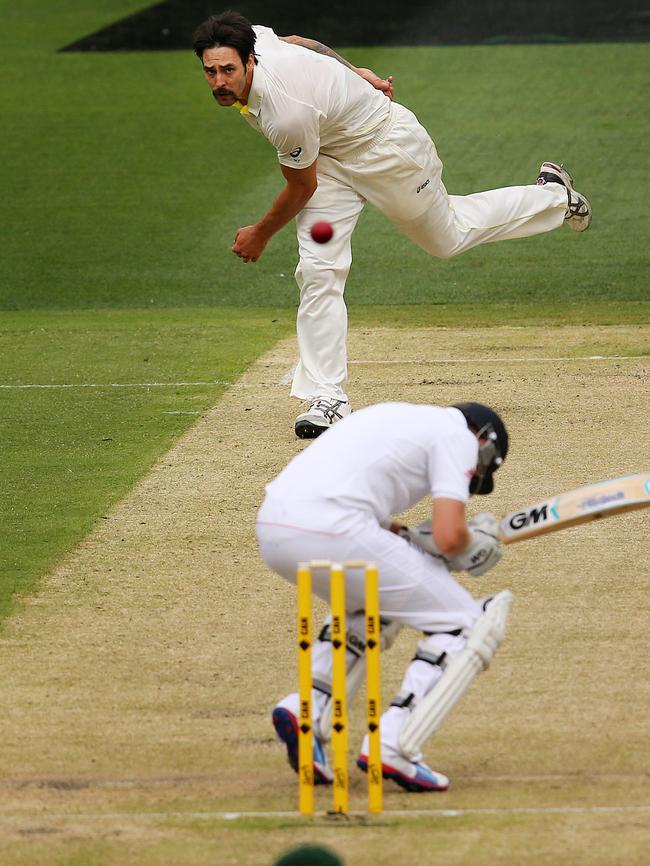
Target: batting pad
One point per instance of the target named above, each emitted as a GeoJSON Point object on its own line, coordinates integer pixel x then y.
{"type": "Point", "coordinates": [431, 711]}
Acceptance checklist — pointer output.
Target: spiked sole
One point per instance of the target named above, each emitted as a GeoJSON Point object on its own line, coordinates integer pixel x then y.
{"type": "Point", "coordinates": [307, 430]}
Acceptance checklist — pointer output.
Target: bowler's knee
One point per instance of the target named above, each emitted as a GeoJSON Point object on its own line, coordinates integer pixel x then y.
{"type": "Point", "coordinates": [439, 244]}
{"type": "Point", "coordinates": [440, 249]}
{"type": "Point", "coordinates": [315, 277]}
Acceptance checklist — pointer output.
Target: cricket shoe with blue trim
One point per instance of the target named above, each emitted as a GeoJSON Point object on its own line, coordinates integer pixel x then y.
{"type": "Point", "coordinates": [578, 212]}
{"type": "Point", "coordinates": [286, 727]}
{"type": "Point", "coordinates": [410, 775]}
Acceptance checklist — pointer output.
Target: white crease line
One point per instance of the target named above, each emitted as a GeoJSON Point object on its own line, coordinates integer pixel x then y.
{"type": "Point", "coordinates": [387, 329]}
{"type": "Point", "coordinates": [506, 360]}
{"type": "Point", "coordinates": [44, 817]}
{"type": "Point", "coordinates": [118, 385]}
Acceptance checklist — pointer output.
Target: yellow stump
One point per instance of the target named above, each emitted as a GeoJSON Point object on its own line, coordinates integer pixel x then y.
{"type": "Point", "coordinates": [373, 688]}
{"type": "Point", "coordinates": [339, 701]}
{"type": "Point", "coordinates": [305, 731]}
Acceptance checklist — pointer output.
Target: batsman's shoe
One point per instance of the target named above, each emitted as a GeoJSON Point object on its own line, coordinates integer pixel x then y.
{"type": "Point", "coordinates": [286, 726]}
{"type": "Point", "coordinates": [411, 775]}
{"type": "Point", "coordinates": [322, 414]}
{"type": "Point", "coordinates": [578, 212]}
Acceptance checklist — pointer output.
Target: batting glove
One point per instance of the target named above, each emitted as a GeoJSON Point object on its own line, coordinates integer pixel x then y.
{"type": "Point", "coordinates": [422, 537]}
{"type": "Point", "coordinates": [484, 549]}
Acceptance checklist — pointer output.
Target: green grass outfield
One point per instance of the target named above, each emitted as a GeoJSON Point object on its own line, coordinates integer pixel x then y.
{"type": "Point", "coordinates": [123, 186]}
{"type": "Point", "coordinates": [88, 401]}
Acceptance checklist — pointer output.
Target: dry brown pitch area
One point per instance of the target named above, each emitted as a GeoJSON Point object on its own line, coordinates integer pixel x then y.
{"type": "Point", "coordinates": [138, 684]}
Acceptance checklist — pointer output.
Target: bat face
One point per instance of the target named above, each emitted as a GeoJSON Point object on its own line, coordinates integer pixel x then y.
{"type": "Point", "coordinates": [577, 506]}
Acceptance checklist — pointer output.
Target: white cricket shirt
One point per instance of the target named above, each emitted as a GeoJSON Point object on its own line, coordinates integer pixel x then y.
{"type": "Point", "coordinates": [305, 103]}
{"type": "Point", "coordinates": [380, 460]}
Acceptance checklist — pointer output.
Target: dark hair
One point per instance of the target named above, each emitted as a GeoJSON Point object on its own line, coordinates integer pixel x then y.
{"type": "Point", "coordinates": [230, 29]}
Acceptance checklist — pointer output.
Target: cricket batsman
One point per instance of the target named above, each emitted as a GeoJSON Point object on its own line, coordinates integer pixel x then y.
{"type": "Point", "coordinates": [341, 142]}
{"type": "Point", "coordinates": [336, 501]}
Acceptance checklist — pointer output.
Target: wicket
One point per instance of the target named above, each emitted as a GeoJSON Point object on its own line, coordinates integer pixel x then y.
{"type": "Point", "coordinates": [337, 572]}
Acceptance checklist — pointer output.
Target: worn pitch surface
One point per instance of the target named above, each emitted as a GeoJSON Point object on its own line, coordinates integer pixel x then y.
{"type": "Point", "coordinates": [138, 684]}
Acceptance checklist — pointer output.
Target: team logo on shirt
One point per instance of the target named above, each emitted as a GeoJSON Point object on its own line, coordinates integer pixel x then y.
{"type": "Point", "coordinates": [295, 153]}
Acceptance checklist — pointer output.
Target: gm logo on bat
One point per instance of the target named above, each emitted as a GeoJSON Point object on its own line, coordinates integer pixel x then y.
{"type": "Point", "coordinates": [534, 515]}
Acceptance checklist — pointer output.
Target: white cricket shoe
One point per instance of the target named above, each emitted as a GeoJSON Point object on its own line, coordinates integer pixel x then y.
{"type": "Point", "coordinates": [578, 212]}
{"type": "Point", "coordinates": [322, 414]}
{"type": "Point", "coordinates": [413, 776]}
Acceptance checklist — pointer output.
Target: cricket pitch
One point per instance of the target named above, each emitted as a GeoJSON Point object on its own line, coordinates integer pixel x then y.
{"type": "Point", "coordinates": [139, 682]}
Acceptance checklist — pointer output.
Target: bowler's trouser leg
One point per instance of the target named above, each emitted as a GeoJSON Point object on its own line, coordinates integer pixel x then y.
{"type": "Point", "coordinates": [456, 223]}
{"type": "Point", "coordinates": [402, 176]}
{"type": "Point", "coordinates": [321, 274]}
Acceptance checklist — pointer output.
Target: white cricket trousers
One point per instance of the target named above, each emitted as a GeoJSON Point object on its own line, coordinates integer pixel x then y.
{"type": "Point", "coordinates": [401, 174]}
{"type": "Point", "coordinates": [414, 590]}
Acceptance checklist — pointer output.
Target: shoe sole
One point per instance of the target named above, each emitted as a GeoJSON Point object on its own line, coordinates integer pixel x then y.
{"type": "Point", "coordinates": [286, 727]}
{"type": "Point", "coordinates": [307, 430]}
{"type": "Point", "coordinates": [578, 224]}
{"type": "Point", "coordinates": [403, 781]}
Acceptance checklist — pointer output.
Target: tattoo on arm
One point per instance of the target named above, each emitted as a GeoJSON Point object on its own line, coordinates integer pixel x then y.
{"type": "Point", "coordinates": [319, 48]}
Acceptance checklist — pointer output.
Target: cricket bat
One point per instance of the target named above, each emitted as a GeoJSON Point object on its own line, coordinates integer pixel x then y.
{"type": "Point", "coordinates": [604, 499]}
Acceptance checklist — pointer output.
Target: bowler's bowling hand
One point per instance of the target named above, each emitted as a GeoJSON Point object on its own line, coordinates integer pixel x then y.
{"type": "Point", "coordinates": [383, 84]}
{"type": "Point", "coordinates": [249, 244]}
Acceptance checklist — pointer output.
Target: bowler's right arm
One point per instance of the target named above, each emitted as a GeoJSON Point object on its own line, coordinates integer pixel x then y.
{"type": "Point", "coordinates": [383, 84]}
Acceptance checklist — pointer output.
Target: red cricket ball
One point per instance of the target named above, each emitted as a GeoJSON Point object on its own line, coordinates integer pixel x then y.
{"type": "Point", "coordinates": [322, 232]}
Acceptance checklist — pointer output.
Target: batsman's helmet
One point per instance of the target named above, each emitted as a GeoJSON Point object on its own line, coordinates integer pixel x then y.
{"type": "Point", "coordinates": [487, 425]}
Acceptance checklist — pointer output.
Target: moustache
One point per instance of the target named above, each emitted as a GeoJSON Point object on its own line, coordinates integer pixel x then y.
{"type": "Point", "coordinates": [217, 93]}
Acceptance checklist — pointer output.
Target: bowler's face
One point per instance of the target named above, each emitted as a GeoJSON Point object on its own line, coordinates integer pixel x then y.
{"type": "Point", "coordinates": [226, 74]}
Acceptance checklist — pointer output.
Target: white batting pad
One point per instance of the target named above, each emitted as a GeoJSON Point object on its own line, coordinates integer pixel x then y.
{"type": "Point", "coordinates": [431, 710]}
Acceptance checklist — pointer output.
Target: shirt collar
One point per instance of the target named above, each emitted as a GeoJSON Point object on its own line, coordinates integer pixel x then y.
{"type": "Point", "coordinates": [255, 94]}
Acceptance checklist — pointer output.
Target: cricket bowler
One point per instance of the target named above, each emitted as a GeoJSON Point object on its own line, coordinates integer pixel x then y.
{"type": "Point", "coordinates": [342, 141]}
